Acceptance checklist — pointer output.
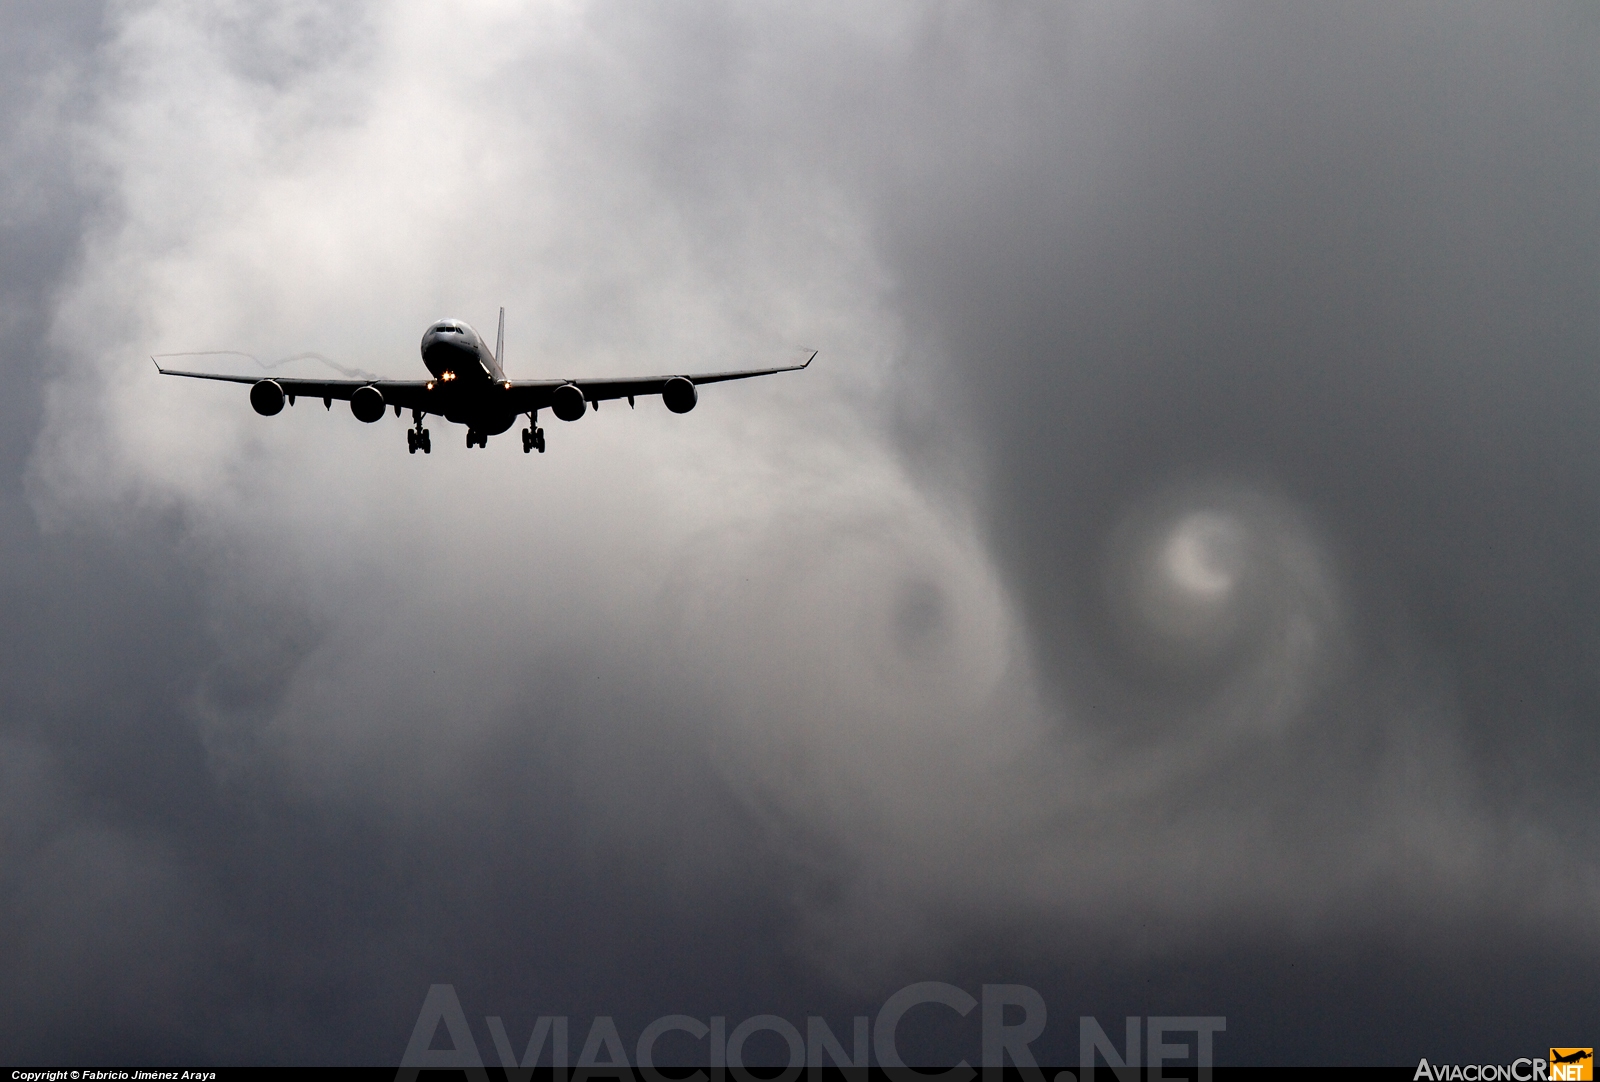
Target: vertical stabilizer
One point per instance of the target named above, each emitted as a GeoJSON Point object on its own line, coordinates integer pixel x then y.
{"type": "Point", "coordinates": [500, 342]}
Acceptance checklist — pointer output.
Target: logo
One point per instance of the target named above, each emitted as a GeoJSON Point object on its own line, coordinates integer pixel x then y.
{"type": "Point", "coordinates": [1572, 1064]}
{"type": "Point", "coordinates": [1564, 1065]}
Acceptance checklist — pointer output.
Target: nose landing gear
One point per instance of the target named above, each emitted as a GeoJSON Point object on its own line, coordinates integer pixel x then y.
{"type": "Point", "coordinates": [474, 437]}
{"type": "Point", "coordinates": [417, 436]}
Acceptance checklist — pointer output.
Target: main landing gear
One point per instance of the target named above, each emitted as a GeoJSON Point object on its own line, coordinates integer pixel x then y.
{"type": "Point", "coordinates": [533, 435]}
{"type": "Point", "coordinates": [417, 436]}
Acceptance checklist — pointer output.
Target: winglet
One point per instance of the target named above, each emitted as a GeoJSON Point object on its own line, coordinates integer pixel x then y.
{"type": "Point", "coordinates": [157, 363]}
{"type": "Point", "coordinates": [811, 358]}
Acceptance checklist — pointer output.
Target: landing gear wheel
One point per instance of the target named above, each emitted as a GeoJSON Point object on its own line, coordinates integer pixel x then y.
{"type": "Point", "coordinates": [527, 440]}
{"type": "Point", "coordinates": [417, 436]}
{"type": "Point", "coordinates": [475, 439]}
{"type": "Point", "coordinates": [538, 439]}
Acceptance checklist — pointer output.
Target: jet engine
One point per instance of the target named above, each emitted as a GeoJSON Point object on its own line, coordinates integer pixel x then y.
{"type": "Point", "coordinates": [567, 402]}
{"type": "Point", "coordinates": [679, 394]}
{"type": "Point", "coordinates": [266, 397]}
{"type": "Point", "coordinates": [366, 403]}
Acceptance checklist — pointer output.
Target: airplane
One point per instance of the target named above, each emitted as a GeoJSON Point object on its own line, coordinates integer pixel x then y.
{"type": "Point", "coordinates": [469, 387]}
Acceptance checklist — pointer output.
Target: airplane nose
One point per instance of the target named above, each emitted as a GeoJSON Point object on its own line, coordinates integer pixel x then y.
{"type": "Point", "coordinates": [441, 354]}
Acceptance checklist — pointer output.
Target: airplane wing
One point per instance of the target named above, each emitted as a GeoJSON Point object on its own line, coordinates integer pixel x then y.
{"type": "Point", "coordinates": [404, 393]}
{"type": "Point", "coordinates": [540, 394]}
{"type": "Point", "coordinates": [524, 395]}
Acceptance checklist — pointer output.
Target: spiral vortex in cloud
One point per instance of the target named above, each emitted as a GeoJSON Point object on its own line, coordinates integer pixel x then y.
{"type": "Point", "coordinates": [1222, 589]}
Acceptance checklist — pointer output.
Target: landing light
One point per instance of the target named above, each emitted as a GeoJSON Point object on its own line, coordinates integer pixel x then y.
{"type": "Point", "coordinates": [430, 385]}
{"type": "Point", "coordinates": [448, 376]}
{"type": "Point", "coordinates": [506, 385]}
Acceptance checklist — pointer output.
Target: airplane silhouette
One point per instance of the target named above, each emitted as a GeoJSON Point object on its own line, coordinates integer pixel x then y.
{"type": "Point", "coordinates": [469, 387]}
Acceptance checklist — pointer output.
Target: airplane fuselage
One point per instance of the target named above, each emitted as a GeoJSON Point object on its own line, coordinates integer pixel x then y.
{"type": "Point", "coordinates": [453, 351]}
{"type": "Point", "coordinates": [467, 377]}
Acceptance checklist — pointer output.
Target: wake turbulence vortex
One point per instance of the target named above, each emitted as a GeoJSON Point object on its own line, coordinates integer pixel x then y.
{"type": "Point", "coordinates": [1220, 597]}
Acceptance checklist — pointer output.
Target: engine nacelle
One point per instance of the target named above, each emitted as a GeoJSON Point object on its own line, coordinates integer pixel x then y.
{"type": "Point", "coordinates": [567, 402]}
{"type": "Point", "coordinates": [366, 403]}
{"type": "Point", "coordinates": [266, 397]}
{"type": "Point", "coordinates": [679, 394]}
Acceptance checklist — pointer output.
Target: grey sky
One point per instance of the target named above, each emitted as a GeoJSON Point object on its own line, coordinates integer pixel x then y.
{"type": "Point", "coordinates": [1173, 587]}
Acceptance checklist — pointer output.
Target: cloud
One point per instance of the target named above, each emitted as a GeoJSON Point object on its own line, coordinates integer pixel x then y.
{"type": "Point", "coordinates": [1281, 288]}
{"type": "Point", "coordinates": [1181, 539]}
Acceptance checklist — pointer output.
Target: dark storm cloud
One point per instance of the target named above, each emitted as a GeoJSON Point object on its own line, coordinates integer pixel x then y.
{"type": "Point", "coordinates": [1204, 622]}
{"type": "Point", "coordinates": [91, 885]}
{"type": "Point", "coordinates": [1323, 278]}
{"type": "Point", "coordinates": [1350, 255]}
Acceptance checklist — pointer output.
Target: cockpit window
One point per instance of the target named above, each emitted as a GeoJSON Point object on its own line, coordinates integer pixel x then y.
{"type": "Point", "coordinates": [443, 329]}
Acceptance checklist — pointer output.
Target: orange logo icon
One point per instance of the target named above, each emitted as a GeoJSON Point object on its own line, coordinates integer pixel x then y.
{"type": "Point", "coordinates": [1572, 1064]}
